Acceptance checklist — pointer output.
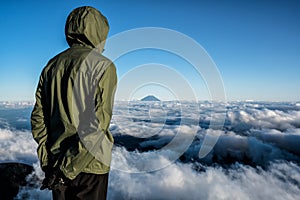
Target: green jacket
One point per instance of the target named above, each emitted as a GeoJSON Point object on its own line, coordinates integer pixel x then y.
{"type": "Point", "coordinates": [74, 100]}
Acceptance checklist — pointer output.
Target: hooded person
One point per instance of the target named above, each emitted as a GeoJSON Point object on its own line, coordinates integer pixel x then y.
{"type": "Point", "coordinates": [73, 108]}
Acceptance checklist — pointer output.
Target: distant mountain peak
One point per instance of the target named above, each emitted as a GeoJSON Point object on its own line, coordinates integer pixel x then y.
{"type": "Point", "coordinates": [150, 98]}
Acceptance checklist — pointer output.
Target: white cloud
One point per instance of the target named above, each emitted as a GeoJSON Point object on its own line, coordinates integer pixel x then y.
{"type": "Point", "coordinates": [253, 117]}
{"type": "Point", "coordinates": [17, 146]}
{"type": "Point", "coordinates": [181, 181]}
{"type": "Point", "coordinates": [263, 135]}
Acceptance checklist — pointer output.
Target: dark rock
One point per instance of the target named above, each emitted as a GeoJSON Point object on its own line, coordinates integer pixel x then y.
{"type": "Point", "coordinates": [12, 176]}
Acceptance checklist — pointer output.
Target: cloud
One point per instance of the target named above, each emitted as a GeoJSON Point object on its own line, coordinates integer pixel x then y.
{"type": "Point", "coordinates": [181, 181]}
{"type": "Point", "coordinates": [280, 180]}
{"type": "Point", "coordinates": [282, 117]}
{"type": "Point", "coordinates": [18, 146]}
{"type": "Point", "coordinates": [256, 156]}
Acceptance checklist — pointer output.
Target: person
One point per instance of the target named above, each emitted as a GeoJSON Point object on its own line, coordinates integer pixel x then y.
{"type": "Point", "coordinates": [73, 109]}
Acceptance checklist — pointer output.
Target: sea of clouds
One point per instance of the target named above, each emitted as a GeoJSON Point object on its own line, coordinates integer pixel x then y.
{"type": "Point", "coordinates": [257, 155]}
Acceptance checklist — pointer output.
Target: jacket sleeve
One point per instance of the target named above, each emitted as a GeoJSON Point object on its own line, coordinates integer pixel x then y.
{"type": "Point", "coordinates": [38, 124]}
{"type": "Point", "coordinates": [105, 98]}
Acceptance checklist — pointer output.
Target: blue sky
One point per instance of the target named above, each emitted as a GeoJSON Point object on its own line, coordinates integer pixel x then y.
{"type": "Point", "coordinates": [255, 44]}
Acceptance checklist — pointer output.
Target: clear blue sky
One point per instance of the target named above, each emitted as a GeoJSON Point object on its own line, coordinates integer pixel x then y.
{"type": "Point", "coordinates": [255, 44]}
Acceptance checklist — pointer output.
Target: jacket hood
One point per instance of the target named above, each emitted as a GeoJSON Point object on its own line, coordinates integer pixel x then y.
{"type": "Point", "coordinates": [86, 26]}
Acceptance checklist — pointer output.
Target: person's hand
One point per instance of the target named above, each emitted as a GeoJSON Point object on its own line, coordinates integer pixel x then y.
{"type": "Point", "coordinates": [54, 180]}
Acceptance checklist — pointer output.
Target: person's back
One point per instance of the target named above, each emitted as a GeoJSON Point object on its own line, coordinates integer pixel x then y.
{"type": "Point", "coordinates": [73, 110]}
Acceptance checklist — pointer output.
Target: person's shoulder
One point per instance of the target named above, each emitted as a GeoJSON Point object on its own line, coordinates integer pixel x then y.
{"type": "Point", "coordinates": [95, 54]}
{"type": "Point", "coordinates": [102, 61]}
{"type": "Point", "coordinates": [56, 57]}
{"type": "Point", "coordinates": [108, 64]}
{"type": "Point", "coordinates": [52, 63]}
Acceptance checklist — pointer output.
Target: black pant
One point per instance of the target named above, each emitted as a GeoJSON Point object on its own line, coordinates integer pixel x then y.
{"type": "Point", "coordinates": [84, 186]}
